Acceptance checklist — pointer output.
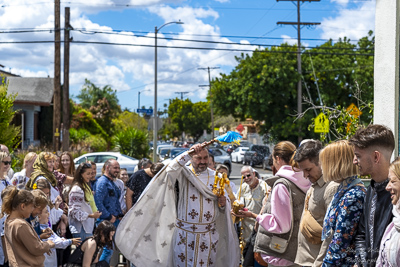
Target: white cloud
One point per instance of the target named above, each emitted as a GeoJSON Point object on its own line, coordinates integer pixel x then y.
{"type": "Point", "coordinates": [353, 23]}
{"type": "Point", "coordinates": [341, 2]}
{"type": "Point", "coordinates": [122, 67]}
{"type": "Point", "coordinates": [292, 40]}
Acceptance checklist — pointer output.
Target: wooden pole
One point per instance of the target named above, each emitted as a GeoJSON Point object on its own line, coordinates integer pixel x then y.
{"type": "Point", "coordinates": [57, 83]}
{"type": "Point", "coordinates": [66, 119]}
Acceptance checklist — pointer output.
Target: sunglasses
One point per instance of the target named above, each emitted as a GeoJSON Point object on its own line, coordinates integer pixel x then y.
{"type": "Point", "coordinates": [86, 165]}
{"type": "Point", "coordinates": [248, 175]}
{"type": "Point", "coordinates": [7, 162]}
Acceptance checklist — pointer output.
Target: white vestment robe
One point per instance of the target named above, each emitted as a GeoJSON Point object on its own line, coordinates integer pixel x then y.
{"type": "Point", "coordinates": [161, 230]}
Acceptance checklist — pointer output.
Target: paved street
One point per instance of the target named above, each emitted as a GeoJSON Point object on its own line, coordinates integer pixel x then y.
{"type": "Point", "coordinates": [235, 174]}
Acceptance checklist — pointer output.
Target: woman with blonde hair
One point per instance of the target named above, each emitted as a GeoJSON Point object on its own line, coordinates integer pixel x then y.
{"type": "Point", "coordinates": [389, 251]}
{"type": "Point", "coordinates": [21, 178]}
{"type": "Point", "coordinates": [5, 165]}
{"type": "Point", "coordinates": [344, 212]}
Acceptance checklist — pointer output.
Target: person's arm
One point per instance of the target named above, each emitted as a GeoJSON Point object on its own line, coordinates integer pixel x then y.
{"type": "Point", "coordinates": [88, 253]}
{"type": "Point", "coordinates": [76, 198]}
{"type": "Point", "coordinates": [330, 191]}
{"type": "Point", "coordinates": [128, 198]}
{"type": "Point", "coordinates": [99, 197]}
{"type": "Point", "coordinates": [360, 243]}
{"type": "Point", "coordinates": [29, 238]}
{"type": "Point", "coordinates": [345, 229]}
{"type": "Point", "coordinates": [280, 219]}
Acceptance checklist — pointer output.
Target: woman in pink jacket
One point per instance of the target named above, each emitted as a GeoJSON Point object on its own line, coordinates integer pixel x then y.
{"type": "Point", "coordinates": [280, 217]}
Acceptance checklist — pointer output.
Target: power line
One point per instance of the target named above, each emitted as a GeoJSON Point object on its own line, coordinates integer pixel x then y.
{"type": "Point", "coordinates": [192, 48]}
{"type": "Point", "coordinates": [121, 32]}
{"type": "Point", "coordinates": [227, 43]}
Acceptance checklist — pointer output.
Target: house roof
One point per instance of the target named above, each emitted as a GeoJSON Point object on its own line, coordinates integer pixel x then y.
{"type": "Point", "coordinates": [33, 91]}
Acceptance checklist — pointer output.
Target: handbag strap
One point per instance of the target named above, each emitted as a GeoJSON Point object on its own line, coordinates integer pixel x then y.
{"type": "Point", "coordinates": [307, 200]}
{"type": "Point", "coordinates": [285, 182]}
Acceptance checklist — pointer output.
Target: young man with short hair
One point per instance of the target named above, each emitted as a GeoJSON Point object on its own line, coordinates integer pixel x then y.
{"type": "Point", "coordinates": [373, 148]}
{"type": "Point", "coordinates": [311, 250]}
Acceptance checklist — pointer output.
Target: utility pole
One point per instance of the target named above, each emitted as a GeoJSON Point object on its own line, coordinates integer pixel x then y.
{"type": "Point", "coordinates": [298, 25]}
{"type": "Point", "coordinates": [66, 109]}
{"type": "Point", "coordinates": [211, 105]}
{"type": "Point", "coordinates": [57, 82]}
{"type": "Point", "coordinates": [182, 93]}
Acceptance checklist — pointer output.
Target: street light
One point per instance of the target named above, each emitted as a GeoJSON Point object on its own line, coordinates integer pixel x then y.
{"type": "Point", "coordinates": [155, 130]}
{"type": "Point", "coordinates": [139, 96]}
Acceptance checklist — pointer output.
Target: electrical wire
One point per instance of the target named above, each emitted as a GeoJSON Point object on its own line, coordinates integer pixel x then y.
{"type": "Point", "coordinates": [189, 47]}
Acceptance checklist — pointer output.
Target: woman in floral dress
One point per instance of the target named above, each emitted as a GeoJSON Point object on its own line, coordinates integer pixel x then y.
{"type": "Point", "coordinates": [344, 212]}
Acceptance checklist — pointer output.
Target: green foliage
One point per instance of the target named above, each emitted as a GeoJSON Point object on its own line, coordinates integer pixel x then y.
{"type": "Point", "coordinates": [132, 142]}
{"type": "Point", "coordinates": [90, 95]}
{"type": "Point", "coordinates": [103, 104]}
{"type": "Point", "coordinates": [225, 121]}
{"type": "Point", "coordinates": [129, 119]}
{"type": "Point", "coordinates": [263, 86]}
{"type": "Point", "coordinates": [96, 143]}
{"type": "Point", "coordinates": [193, 118]}
{"type": "Point", "coordinates": [83, 119]}
{"type": "Point", "coordinates": [9, 134]}
{"type": "Point", "coordinates": [77, 136]}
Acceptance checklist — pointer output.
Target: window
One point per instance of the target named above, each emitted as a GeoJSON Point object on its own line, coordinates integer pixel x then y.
{"type": "Point", "coordinates": [84, 159]}
{"type": "Point", "coordinates": [104, 158]}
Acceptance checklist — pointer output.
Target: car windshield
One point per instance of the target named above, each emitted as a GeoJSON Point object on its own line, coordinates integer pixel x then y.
{"type": "Point", "coordinates": [177, 152]}
{"type": "Point", "coordinates": [165, 151]}
{"type": "Point", "coordinates": [261, 149]}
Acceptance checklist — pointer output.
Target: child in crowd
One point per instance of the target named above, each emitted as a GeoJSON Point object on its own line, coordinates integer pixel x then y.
{"type": "Point", "coordinates": [60, 243]}
{"type": "Point", "coordinates": [88, 252]}
{"type": "Point", "coordinates": [41, 203]}
{"type": "Point", "coordinates": [24, 248]}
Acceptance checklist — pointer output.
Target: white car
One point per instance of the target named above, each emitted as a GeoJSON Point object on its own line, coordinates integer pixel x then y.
{"type": "Point", "coordinates": [238, 153]}
{"type": "Point", "coordinates": [100, 157]}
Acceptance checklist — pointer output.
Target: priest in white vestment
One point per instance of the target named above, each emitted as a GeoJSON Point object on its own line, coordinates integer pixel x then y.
{"type": "Point", "coordinates": [183, 225]}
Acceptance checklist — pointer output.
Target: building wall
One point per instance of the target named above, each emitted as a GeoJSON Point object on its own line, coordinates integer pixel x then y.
{"type": "Point", "coordinates": [386, 66]}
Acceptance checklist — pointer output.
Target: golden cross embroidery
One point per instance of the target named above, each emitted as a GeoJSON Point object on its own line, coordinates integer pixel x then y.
{"type": "Point", "coordinates": [277, 246]}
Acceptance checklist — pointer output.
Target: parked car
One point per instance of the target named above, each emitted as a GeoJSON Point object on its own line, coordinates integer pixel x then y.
{"type": "Point", "coordinates": [100, 157]}
{"type": "Point", "coordinates": [265, 163]}
{"type": "Point", "coordinates": [255, 155]}
{"type": "Point", "coordinates": [173, 153]}
{"type": "Point", "coordinates": [238, 153]}
{"type": "Point", "coordinates": [221, 157]}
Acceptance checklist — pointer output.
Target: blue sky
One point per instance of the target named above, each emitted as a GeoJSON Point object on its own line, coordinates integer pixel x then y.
{"type": "Point", "coordinates": [130, 69]}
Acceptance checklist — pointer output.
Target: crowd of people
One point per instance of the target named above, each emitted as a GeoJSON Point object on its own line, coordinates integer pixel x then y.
{"type": "Point", "coordinates": [314, 211]}
{"type": "Point", "coordinates": [50, 205]}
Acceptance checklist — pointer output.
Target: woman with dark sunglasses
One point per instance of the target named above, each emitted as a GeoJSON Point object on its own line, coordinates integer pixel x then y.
{"type": "Point", "coordinates": [82, 209]}
{"type": "Point", "coordinates": [5, 165]}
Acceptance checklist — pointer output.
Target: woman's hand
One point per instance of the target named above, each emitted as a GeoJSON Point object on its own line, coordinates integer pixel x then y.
{"type": "Point", "coordinates": [95, 215]}
{"type": "Point", "coordinates": [244, 213]}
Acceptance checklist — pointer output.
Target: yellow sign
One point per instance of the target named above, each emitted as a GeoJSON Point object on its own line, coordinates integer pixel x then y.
{"type": "Point", "coordinates": [56, 133]}
{"type": "Point", "coordinates": [321, 124]}
{"type": "Point", "coordinates": [353, 110]}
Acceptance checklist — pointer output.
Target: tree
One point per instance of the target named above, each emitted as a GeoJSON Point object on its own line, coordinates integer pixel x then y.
{"type": "Point", "coordinates": [9, 133]}
{"type": "Point", "coordinates": [132, 142]}
{"type": "Point", "coordinates": [191, 118]}
{"type": "Point", "coordinates": [103, 104]}
{"type": "Point", "coordinates": [130, 119]}
{"type": "Point", "coordinates": [263, 86]}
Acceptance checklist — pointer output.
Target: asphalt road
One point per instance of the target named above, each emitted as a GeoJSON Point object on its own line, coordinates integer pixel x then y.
{"type": "Point", "coordinates": [235, 174]}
